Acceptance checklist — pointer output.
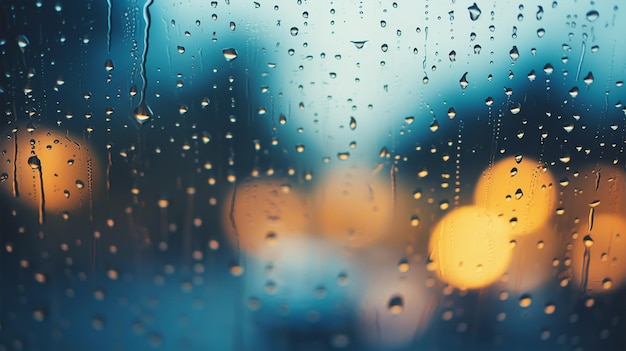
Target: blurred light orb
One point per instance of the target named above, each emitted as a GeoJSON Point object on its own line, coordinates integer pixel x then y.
{"type": "Point", "coordinates": [353, 206]}
{"type": "Point", "coordinates": [261, 212]}
{"type": "Point", "coordinates": [606, 243]}
{"type": "Point", "coordinates": [519, 189]}
{"type": "Point", "coordinates": [469, 247]}
{"type": "Point", "coordinates": [64, 162]}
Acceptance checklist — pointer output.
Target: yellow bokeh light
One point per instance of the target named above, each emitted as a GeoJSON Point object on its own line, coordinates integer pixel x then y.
{"type": "Point", "coordinates": [524, 193]}
{"type": "Point", "coordinates": [353, 206]}
{"type": "Point", "coordinates": [70, 172]}
{"type": "Point", "coordinates": [469, 247]}
{"type": "Point", "coordinates": [532, 260]}
{"type": "Point", "coordinates": [606, 244]}
{"type": "Point", "coordinates": [262, 211]}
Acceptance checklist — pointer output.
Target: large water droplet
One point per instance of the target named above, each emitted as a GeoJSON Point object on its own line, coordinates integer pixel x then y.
{"type": "Point", "coordinates": [22, 42]}
{"type": "Point", "coordinates": [592, 15]}
{"type": "Point", "coordinates": [34, 162]}
{"type": "Point", "coordinates": [474, 12]}
{"type": "Point", "coordinates": [143, 113]}
{"type": "Point", "coordinates": [230, 54]}
{"type": "Point", "coordinates": [359, 44]}
{"type": "Point", "coordinates": [108, 65]}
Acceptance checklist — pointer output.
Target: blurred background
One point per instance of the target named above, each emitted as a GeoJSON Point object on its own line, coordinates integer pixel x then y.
{"type": "Point", "coordinates": [306, 175]}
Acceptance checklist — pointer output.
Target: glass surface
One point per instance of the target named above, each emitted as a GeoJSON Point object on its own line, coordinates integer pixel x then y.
{"type": "Point", "coordinates": [312, 175]}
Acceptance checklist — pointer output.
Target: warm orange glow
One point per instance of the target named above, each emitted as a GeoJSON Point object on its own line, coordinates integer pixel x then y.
{"type": "Point", "coordinates": [353, 206]}
{"type": "Point", "coordinates": [470, 247]}
{"type": "Point", "coordinates": [606, 244]}
{"type": "Point", "coordinates": [533, 262]}
{"type": "Point", "coordinates": [262, 212]}
{"type": "Point", "coordinates": [524, 193]}
{"type": "Point", "coordinates": [69, 169]}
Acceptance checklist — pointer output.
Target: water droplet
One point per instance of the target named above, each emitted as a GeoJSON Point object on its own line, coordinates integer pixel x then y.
{"type": "Point", "coordinates": [592, 15]}
{"type": "Point", "coordinates": [230, 54]}
{"type": "Point", "coordinates": [143, 113]}
{"type": "Point", "coordinates": [34, 162]}
{"type": "Point", "coordinates": [452, 56]}
{"type": "Point", "coordinates": [79, 184]}
{"type": "Point", "coordinates": [434, 126]}
{"type": "Point", "coordinates": [541, 32]}
{"type": "Point", "coordinates": [359, 44]}
{"type": "Point", "coordinates": [525, 301]}
{"type": "Point", "coordinates": [108, 65]}
{"type": "Point", "coordinates": [588, 79]}
{"type": "Point", "coordinates": [573, 92]}
{"type": "Point", "coordinates": [474, 12]}
{"type": "Point", "coordinates": [548, 68]}
{"type": "Point", "coordinates": [607, 283]}
{"type": "Point", "coordinates": [4, 177]}
{"type": "Point", "coordinates": [415, 221]}
{"type": "Point", "coordinates": [514, 53]}
{"type": "Point", "coordinates": [181, 49]}
{"type": "Point", "coordinates": [539, 14]}
{"type": "Point", "coordinates": [463, 81]}
{"type": "Point", "coordinates": [352, 123]}
{"type": "Point", "coordinates": [396, 304]}
{"type": "Point", "coordinates": [293, 31]}
{"type": "Point", "coordinates": [451, 113]}
{"type": "Point", "coordinates": [403, 266]}
{"type": "Point", "coordinates": [343, 156]}
{"type": "Point", "coordinates": [22, 42]}
{"type": "Point", "coordinates": [233, 26]}
{"type": "Point", "coordinates": [518, 194]}
{"type": "Point", "coordinates": [588, 240]}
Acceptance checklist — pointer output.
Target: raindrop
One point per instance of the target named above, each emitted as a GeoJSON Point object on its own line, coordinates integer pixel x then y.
{"type": "Point", "coordinates": [539, 14]}
{"type": "Point", "coordinates": [452, 56]}
{"type": "Point", "coordinates": [588, 240]}
{"type": "Point", "coordinates": [352, 123]}
{"type": "Point", "coordinates": [22, 42]}
{"type": "Point", "coordinates": [396, 304]}
{"type": "Point", "coordinates": [108, 65]}
{"type": "Point", "coordinates": [573, 92]}
{"type": "Point", "coordinates": [359, 44]}
{"type": "Point", "coordinates": [525, 301]}
{"type": "Point", "coordinates": [230, 54]}
{"type": "Point", "coordinates": [34, 162]}
{"type": "Point", "coordinates": [592, 15]}
{"type": "Point", "coordinates": [514, 53]}
{"type": "Point", "coordinates": [293, 31]}
{"type": "Point", "coordinates": [588, 79]}
{"type": "Point", "coordinates": [463, 81]}
{"type": "Point", "coordinates": [474, 12]}
{"type": "Point", "coordinates": [143, 113]}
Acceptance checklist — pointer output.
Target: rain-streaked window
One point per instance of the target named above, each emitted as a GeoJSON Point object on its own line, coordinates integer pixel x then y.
{"type": "Point", "coordinates": [312, 175]}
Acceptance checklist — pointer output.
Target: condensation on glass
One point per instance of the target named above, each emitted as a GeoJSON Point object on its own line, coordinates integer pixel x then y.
{"type": "Point", "coordinates": [312, 175]}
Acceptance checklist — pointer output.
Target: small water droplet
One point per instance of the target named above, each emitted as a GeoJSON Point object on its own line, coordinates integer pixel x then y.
{"type": "Point", "coordinates": [80, 184]}
{"type": "Point", "coordinates": [588, 79]}
{"type": "Point", "coordinates": [293, 31]}
{"type": "Point", "coordinates": [525, 301]}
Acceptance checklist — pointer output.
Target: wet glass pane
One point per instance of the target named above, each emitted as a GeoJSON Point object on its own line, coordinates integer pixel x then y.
{"type": "Point", "coordinates": [312, 175]}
